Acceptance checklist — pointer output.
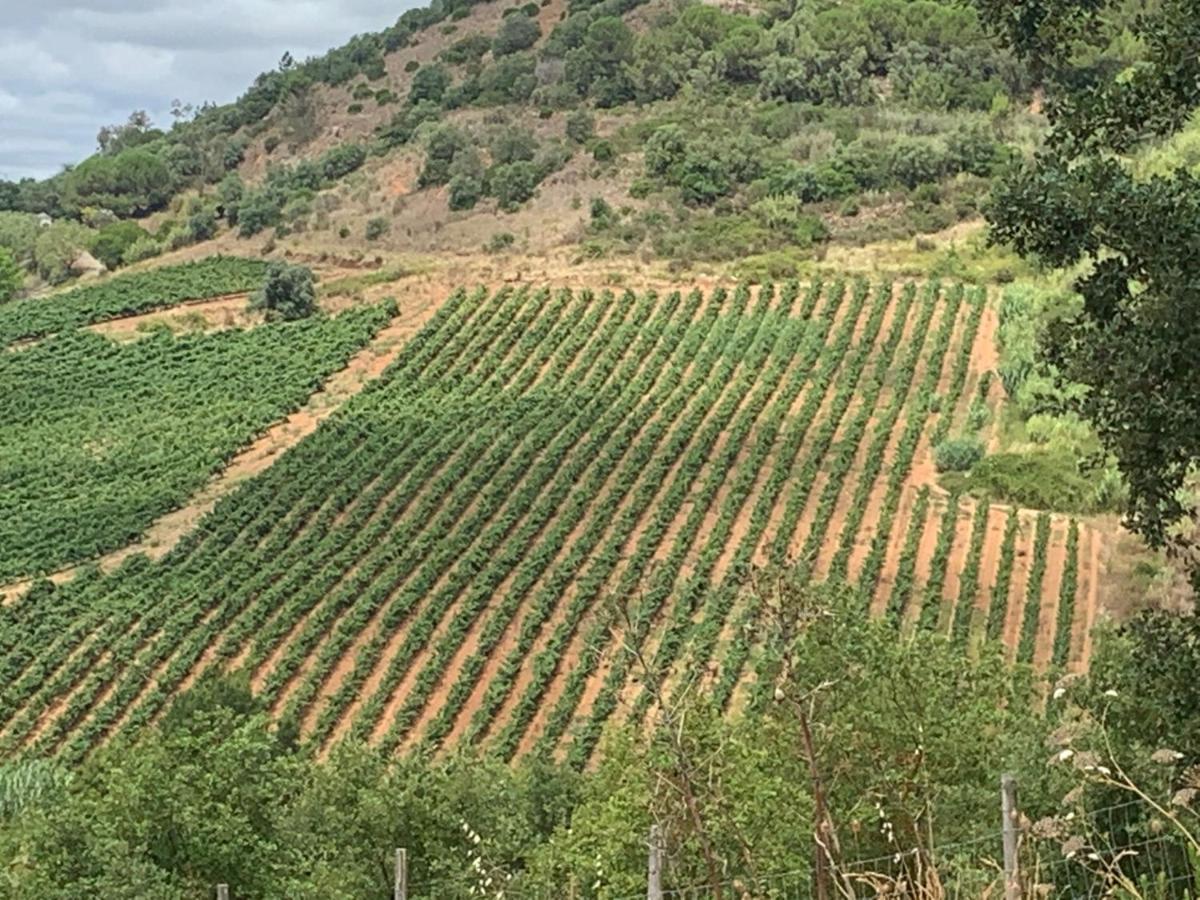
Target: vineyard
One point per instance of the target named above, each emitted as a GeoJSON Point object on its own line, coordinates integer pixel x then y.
{"type": "Point", "coordinates": [463, 554]}
{"type": "Point", "coordinates": [126, 432]}
{"type": "Point", "coordinates": [126, 295]}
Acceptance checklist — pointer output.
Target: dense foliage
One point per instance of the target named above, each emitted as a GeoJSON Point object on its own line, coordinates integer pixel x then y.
{"type": "Point", "coordinates": [904, 738]}
{"type": "Point", "coordinates": [125, 295]}
{"type": "Point", "coordinates": [125, 432]}
{"type": "Point", "coordinates": [1081, 201]}
{"type": "Point", "coordinates": [288, 292]}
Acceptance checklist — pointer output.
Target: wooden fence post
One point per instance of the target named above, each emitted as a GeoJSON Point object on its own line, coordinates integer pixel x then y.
{"type": "Point", "coordinates": [400, 887]}
{"type": "Point", "coordinates": [1009, 810]}
{"type": "Point", "coordinates": [654, 880]}
{"type": "Point", "coordinates": [222, 892]}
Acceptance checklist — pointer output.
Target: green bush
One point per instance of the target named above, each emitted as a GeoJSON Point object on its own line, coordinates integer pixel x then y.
{"type": "Point", "coordinates": [377, 228]}
{"type": "Point", "coordinates": [513, 184]}
{"type": "Point", "coordinates": [465, 189]}
{"type": "Point", "coordinates": [581, 126]}
{"type": "Point", "coordinates": [513, 144]}
{"type": "Point", "coordinates": [341, 160]}
{"type": "Point", "coordinates": [143, 248]}
{"type": "Point", "coordinates": [500, 241]}
{"type": "Point", "coordinates": [289, 292]}
{"type": "Point", "coordinates": [113, 240]}
{"type": "Point", "coordinates": [602, 151]}
{"type": "Point", "coordinates": [1038, 480]}
{"type": "Point", "coordinates": [517, 32]}
{"type": "Point", "coordinates": [957, 454]}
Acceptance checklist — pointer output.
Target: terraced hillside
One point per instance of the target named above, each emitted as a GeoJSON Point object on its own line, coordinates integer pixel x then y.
{"type": "Point", "coordinates": [465, 552]}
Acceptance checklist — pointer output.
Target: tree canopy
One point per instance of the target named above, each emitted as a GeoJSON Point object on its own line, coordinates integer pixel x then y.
{"type": "Point", "coordinates": [1082, 203]}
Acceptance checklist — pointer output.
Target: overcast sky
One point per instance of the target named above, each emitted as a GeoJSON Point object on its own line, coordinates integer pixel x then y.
{"type": "Point", "coordinates": [67, 67]}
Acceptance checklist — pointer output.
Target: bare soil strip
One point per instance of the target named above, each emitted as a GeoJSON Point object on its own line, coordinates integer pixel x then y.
{"type": "Point", "coordinates": [895, 546]}
{"type": "Point", "coordinates": [1018, 588]}
{"type": "Point", "coordinates": [989, 562]}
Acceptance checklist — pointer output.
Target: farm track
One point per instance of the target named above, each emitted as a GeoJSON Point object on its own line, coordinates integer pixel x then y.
{"type": "Point", "coordinates": [540, 482]}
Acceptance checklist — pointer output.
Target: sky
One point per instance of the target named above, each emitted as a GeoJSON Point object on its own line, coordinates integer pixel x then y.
{"type": "Point", "coordinates": [68, 67]}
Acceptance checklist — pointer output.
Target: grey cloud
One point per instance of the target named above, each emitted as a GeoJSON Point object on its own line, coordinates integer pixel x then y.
{"type": "Point", "coordinates": [68, 67]}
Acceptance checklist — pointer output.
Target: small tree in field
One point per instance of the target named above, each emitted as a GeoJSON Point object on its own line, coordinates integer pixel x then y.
{"type": "Point", "coordinates": [288, 293]}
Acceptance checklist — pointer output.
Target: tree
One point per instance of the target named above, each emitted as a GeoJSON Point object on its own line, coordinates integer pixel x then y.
{"type": "Point", "coordinates": [512, 144]}
{"type": "Point", "coordinates": [130, 183]}
{"type": "Point", "coordinates": [599, 67]}
{"type": "Point", "coordinates": [429, 85]}
{"type": "Point", "coordinates": [514, 183]}
{"type": "Point", "coordinates": [517, 32]}
{"type": "Point", "coordinates": [1133, 342]}
{"type": "Point", "coordinates": [288, 293]}
{"type": "Point", "coordinates": [581, 126]}
{"type": "Point", "coordinates": [137, 130]}
{"type": "Point", "coordinates": [58, 247]}
{"type": "Point", "coordinates": [18, 234]}
{"type": "Point", "coordinates": [114, 240]}
{"type": "Point", "coordinates": [11, 276]}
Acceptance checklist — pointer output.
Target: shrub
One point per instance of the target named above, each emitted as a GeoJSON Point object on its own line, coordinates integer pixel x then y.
{"type": "Point", "coordinates": [113, 240]}
{"type": "Point", "coordinates": [513, 184]}
{"type": "Point", "coordinates": [377, 228]}
{"type": "Point", "coordinates": [143, 248]}
{"type": "Point", "coordinates": [1038, 480]}
{"type": "Point", "coordinates": [602, 151]}
{"type": "Point", "coordinates": [500, 241]}
{"type": "Point", "coordinates": [289, 292]}
{"type": "Point", "coordinates": [517, 32]}
{"type": "Point", "coordinates": [957, 454]}
{"type": "Point", "coordinates": [581, 126]}
{"type": "Point", "coordinates": [445, 144]}
{"type": "Point", "coordinates": [914, 162]}
{"type": "Point", "coordinates": [342, 160]}
{"type": "Point", "coordinates": [57, 247]}
{"type": "Point", "coordinates": [412, 65]}
{"type": "Point", "coordinates": [465, 190]}
{"type": "Point", "coordinates": [344, 232]}
{"type": "Point", "coordinates": [513, 144]}
{"type": "Point", "coordinates": [201, 225]}
{"type": "Point", "coordinates": [430, 83]}
{"type": "Point", "coordinates": [465, 50]}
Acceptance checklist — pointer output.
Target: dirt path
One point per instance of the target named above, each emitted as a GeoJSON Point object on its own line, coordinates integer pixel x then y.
{"type": "Point", "coordinates": [959, 548]}
{"type": "Point", "coordinates": [214, 314]}
{"type": "Point", "coordinates": [895, 546]}
{"type": "Point", "coordinates": [167, 531]}
{"type": "Point", "coordinates": [1018, 587]}
{"type": "Point", "coordinates": [989, 562]}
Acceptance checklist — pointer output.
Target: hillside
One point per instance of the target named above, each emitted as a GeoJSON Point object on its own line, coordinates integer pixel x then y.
{"type": "Point", "coordinates": [528, 424]}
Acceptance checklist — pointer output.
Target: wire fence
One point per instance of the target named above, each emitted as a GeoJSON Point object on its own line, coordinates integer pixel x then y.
{"type": "Point", "coordinates": [1131, 850]}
